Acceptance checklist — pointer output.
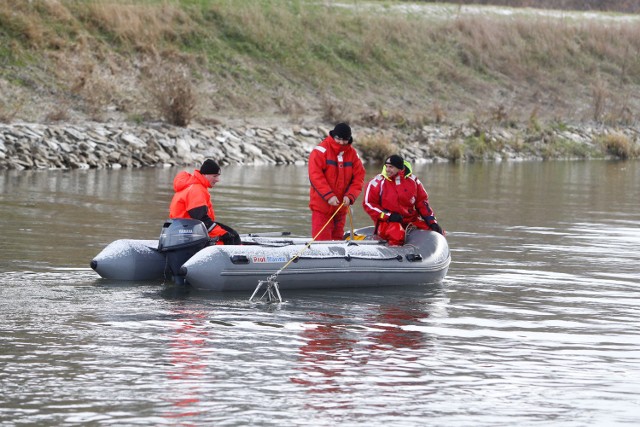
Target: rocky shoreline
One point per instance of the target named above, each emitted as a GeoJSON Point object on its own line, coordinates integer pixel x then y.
{"type": "Point", "coordinates": [108, 145]}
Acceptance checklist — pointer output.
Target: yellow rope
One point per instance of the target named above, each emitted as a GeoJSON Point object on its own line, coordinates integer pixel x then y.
{"type": "Point", "coordinates": [271, 283]}
{"type": "Point", "coordinates": [308, 244]}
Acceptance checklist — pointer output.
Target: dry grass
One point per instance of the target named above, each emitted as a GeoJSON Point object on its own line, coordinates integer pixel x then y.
{"type": "Point", "coordinates": [376, 148]}
{"type": "Point", "coordinates": [6, 114]}
{"type": "Point", "coordinates": [139, 25]}
{"type": "Point", "coordinates": [334, 111]}
{"type": "Point", "coordinates": [453, 150]}
{"type": "Point", "coordinates": [59, 114]}
{"type": "Point", "coordinates": [384, 68]}
{"type": "Point", "coordinates": [617, 145]}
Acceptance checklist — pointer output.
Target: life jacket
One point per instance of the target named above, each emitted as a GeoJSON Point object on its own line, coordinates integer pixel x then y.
{"type": "Point", "coordinates": [334, 170]}
{"type": "Point", "coordinates": [403, 194]}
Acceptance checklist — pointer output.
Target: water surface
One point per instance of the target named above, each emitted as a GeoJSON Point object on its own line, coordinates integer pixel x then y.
{"type": "Point", "coordinates": [536, 323]}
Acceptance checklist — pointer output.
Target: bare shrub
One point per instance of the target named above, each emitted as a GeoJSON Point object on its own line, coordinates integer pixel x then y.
{"type": "Point", "coordinates": [373, 118]}
{"type": "Point", "coordinates": [376, 148]}
{"type": "Point", "coordinates": [436, 115]}
{"type": "Point", "coordinates": [617, 145]}
{"type": "Point", "coordinates": [438, 148]}
{"type": "Point", "coordinates": [456, 151]}
{"type": "Point", "coordinates": [334, 111]}
{"type": "Point", "coordinates": [59, 114]}
{"type": "Point", "coordinates": [452, 150]}
{"type": "Point", "coordinates": [10, 107]}
{"type": "Point", "coordinates": [4, 117]}
{"type": "Point", "coordinates": [479, 123]}
{"type": "Point", "coordinates": [499, 114]}
{"type": "Point", "coordinates": [600, 94]}
{"type": "Point", "coordinates": [289, 104]}
{"type": "Point", "coordinates": [533, 124]}
{"type": "Point", "coordinates": [621, 115]}
{"type": "Point", "coordinates": [625, 116]}
{"type": "Point", "coordinates": [94, 84]}
{"type": "Point", "coordinates": [517, 145]}
{"type": "Point", "coordinates": [173, 93]}
{"type": "Point", "coordinates": [383, 118]}
{"type": "Point", "coordinates": [397, 118]}
{"type": "Point", "coordinates": [439, 116]}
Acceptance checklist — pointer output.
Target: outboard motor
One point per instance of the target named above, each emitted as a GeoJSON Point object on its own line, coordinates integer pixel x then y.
{"type": "Point", "coordinates": [180, 239]}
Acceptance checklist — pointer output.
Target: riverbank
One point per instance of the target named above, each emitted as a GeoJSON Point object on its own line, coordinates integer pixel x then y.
{"type": "Point", "coordinates": [117, 145]}
{"type": "Point", "coordinates": [185, 62]}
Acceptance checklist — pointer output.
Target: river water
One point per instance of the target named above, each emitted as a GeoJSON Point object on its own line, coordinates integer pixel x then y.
{"type": "Point", "coordinates": [537, 322]}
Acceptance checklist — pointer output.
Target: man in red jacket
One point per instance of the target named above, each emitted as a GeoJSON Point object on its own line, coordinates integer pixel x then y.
{"type": "Point", "coordinates": [337, 177]}
{"type": "Point", "coordinates": [396, 198]}
{"type": "Point", "coordinates": [192, 200]}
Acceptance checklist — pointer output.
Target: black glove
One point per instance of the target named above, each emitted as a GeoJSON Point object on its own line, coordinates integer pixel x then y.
{"type": "Point", "coordinates": [433, 224]}
{"type": "Point", "coordinates": [231, 237]}
{"type": "Point", "coordinates": [436, 227]}
{"type": "Point", "coordinates": [395, 217]}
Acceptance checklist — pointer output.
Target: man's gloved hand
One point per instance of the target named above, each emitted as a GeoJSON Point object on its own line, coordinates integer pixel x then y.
{"type": "Point", "coordinates": [395, 217]}
{"type": "Point", "coordinates": [436, 227]}
{"type": "Point", "coordinates": [433, 224]}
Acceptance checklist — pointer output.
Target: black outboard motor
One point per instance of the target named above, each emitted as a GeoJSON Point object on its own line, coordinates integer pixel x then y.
{"type": "Point", "coordinates": [180, 239]}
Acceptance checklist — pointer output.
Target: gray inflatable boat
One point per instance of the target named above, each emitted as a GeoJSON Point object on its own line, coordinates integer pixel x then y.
{"type": "Point", "coordinates": [185, 253]}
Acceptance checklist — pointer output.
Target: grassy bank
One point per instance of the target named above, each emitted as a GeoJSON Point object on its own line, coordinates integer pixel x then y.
{"type": "Point", "coordinates": [371, 63]}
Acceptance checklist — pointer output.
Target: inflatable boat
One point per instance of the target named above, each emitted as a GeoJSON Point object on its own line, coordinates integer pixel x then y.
{"type": "Point", "coordinates": [185, 254]}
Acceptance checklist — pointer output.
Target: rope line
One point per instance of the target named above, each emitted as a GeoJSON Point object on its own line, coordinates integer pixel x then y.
{"type": "Point", "coordinates": [272, 291]}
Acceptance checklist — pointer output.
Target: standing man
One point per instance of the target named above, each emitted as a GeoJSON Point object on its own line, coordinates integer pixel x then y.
{"type": "Point", "coordinates": [337, 175]}
{"type": "Point", "coordinates": [192, 200]}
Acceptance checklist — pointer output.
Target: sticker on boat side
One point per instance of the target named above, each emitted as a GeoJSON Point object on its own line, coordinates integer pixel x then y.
{"type": "Point", "coordinates": [268, 259]}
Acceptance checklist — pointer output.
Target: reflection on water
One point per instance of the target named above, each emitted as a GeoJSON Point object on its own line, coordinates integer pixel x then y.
{"type": "Point", "coordinates": [537, 322]}
{"type": "Point", "coordinates": [335, 345]}
{"type": "Point", "coordinates": [187, 363]}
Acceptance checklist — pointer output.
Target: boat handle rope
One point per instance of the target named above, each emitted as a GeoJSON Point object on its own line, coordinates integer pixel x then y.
{"type": "Point", "coordinates": [272, 291]}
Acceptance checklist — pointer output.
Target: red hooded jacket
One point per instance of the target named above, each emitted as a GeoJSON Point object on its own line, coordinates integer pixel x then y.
{"type": "Point", "coordinates": [192, 191]}
{"type": "Point", "coordinates": [403, 195]}
{"type": "Point", "coordinates": [334, 170]}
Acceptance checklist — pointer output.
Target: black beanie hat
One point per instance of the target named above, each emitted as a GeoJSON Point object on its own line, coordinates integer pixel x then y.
{"type": "Point", "coordinates": [209, 167]}
{"type": "Point", "coordinates": [342, 131]}
{"type": "Point", "coordinates": [396, 161]}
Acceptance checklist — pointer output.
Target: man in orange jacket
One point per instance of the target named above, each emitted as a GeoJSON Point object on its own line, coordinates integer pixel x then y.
{"type": "Point", "coordinates": [337, 177]}
{"type": "Point", "coordinates": [192, 200]}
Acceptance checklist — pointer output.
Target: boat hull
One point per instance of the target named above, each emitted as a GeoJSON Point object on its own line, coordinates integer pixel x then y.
{"type": "Point", "coordinates": [424, 259]}
{"type": "Point", "coordinates": [129, 259]}
{"type": "Point", "coordinates": [298, 263]}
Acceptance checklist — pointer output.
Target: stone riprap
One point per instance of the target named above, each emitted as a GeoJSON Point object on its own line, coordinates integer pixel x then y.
{"type": "Point", "coordinates": [68, 146]}
{"type": "Point", "coordinates": [99, 145]}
